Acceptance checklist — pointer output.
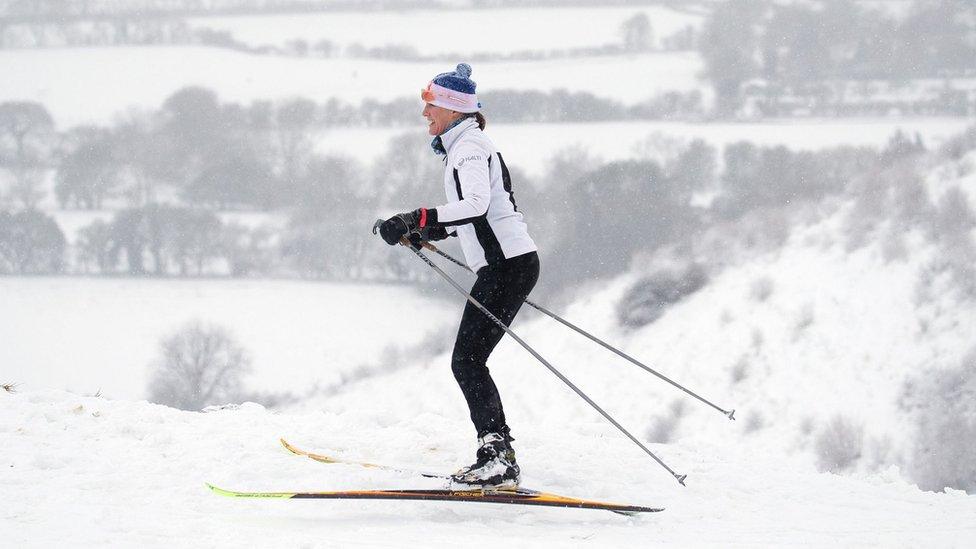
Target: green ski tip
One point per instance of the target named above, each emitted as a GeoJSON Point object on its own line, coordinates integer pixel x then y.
{"type": "Point", "coordinates": [232, 494]}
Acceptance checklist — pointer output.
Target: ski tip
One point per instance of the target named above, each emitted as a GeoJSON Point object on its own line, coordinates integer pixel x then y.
{"type": "Point", "coordinates": [291, 448]}
{"type": "Point", "coordinates": [221, 492]}
{"type": "Point", "coordinates": [637, 512]}
{"type": "Point", "coordinates": [216, 490]}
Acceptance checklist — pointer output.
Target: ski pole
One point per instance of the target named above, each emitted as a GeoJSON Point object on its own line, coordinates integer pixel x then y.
{"type": "Point", "coordinates": [557, 373]}
{"type": "Point", "coordinates": [728, 413]}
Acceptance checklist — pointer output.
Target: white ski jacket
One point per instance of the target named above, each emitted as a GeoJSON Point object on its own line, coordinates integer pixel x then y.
{"type": "Point", "coordinates": [481, 206]}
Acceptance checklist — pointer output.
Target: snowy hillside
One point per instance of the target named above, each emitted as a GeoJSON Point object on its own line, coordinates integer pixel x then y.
{"type": "Point", "coordinates": [799, 341]}
{"type": "Point", "coordinates": [813, 267]}
{"type": "Point", "coordinates": [812, 342]}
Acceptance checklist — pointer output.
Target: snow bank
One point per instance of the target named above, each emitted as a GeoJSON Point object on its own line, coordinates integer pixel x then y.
{"type": "Point", "coordinates": [85, 471]}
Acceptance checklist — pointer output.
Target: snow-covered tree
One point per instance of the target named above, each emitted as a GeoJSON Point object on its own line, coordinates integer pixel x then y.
{"type": "Point", "coordinates": [199, 365]}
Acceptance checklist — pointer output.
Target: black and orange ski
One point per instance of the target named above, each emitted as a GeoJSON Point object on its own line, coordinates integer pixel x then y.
{"type": "Point", "coordinates": [514, 497]}
{"type": "Point", "coordinates": [520, 496]}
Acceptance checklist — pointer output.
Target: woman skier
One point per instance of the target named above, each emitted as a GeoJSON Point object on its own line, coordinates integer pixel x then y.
{"type": "Point", "coordinates": [481, 212]}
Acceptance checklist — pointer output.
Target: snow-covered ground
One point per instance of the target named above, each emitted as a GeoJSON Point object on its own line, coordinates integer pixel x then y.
{"type": "Point", "coordinates": [432, 32]}
{"type": "Point", "coordinates": [85, 472]}
{"type": "Point", "coordinates": [791, 338]}
{"type": "Point", "coordinates": [90, 334]}
{"type": "Point", "coordinates": [94, 85]}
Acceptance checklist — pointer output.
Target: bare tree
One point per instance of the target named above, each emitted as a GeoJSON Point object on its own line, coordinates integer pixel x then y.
{"type": "Point", "coordinates": [839, 445]}
{"type": "Point", "coordinates": [95, 248]}
{"type": "Point", "coordinates": [637, 33]}
{"type": "Point", "coordinates": [727, 47]}
{"type": "Point", "coordinates": [89, 173]}
{"type": "Point", "coordinates": [199, 365]}
{"type": "Point", "coordinates": [31, 242]}
{"type": "Point", "coordinates": [26, 138]}
{"type": "Point", "coordinates": [26, 128]}
{"type": "Point", "coordinates": [942, 402]}
{"type": "Point", "coordinates": [294, 119]}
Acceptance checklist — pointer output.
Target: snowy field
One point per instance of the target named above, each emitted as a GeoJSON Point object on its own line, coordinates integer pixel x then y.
{"type": "Point", "coordinates": [751, 483]}
{"type": "Point", "coordinates": [796, 339]}
{"type": "Point", "coordinates": [833, 333]}
{"type": "Point", "coordinates": [95, 85]}
{"type": "Point", "coordinates": [498, 31]}
{"type": "Point", "coordinates": [90, 334]}
{"type": "Point", "coordinates": [90, 472]}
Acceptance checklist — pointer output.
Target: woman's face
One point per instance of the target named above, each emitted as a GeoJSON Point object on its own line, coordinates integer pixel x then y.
{"type": "Point", "coordinates": [438, 118]}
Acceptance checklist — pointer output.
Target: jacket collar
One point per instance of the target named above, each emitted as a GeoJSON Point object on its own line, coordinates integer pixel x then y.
{"type": "Point", "coordinates": [448, 138]}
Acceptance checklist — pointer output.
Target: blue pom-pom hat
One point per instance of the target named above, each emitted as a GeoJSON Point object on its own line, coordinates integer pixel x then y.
{"type": "Point", "coordinates": [453, 90]}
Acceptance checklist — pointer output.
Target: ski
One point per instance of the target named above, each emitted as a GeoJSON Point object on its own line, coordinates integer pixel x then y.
{"type": "Point", "coordinates": [519, 496]}
{"type": "Point", "coordinates": [330, 459]}
{"type": "Point", "coordinates": [514, 497]}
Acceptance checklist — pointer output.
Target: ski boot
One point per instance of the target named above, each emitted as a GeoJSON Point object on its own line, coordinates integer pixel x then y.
{"type": "Point", "coordinates": [495, 467]}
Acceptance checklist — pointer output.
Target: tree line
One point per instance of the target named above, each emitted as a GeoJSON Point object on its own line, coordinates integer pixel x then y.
{"type": "Point", "coordinates": [233, 156]}
{"type": "Point", "coordinates": [790, 50]}
{"type": "Point", "coordinates": [60, 10]}
{"type": "Point", "coordinates": [636, 36]}
{"type": "Point", "coordinates": [201, 188]}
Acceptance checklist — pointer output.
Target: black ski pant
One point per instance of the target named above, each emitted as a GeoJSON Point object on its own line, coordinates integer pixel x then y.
{"type": "Point", "coordinates": [501, 287]}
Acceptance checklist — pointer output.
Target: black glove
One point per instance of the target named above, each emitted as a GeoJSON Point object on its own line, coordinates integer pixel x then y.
{"type": "Point", "coordinates": [416, 240]}
{"type": "Point", "coordinates": [427, 234]}
{"type": "Point", "coordinates": [433, 234]}
{"type": "Point", "coordinates": [398, 226]}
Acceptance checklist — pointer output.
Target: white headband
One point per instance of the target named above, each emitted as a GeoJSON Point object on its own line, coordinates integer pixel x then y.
{"type": "Point", "coordinates": [449, 99]}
